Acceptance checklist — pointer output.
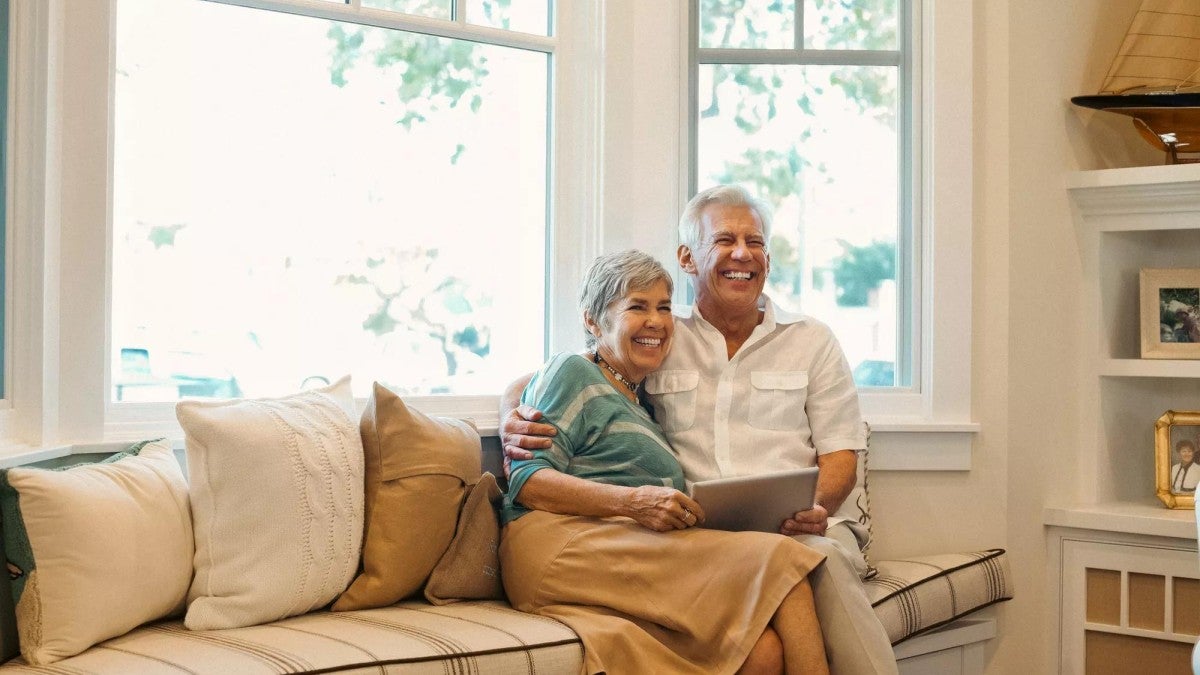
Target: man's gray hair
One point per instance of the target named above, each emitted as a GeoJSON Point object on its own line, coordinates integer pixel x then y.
{"type": "Point", "coordinates": [726, 195]}
{"type": "Point", "coordinates": [613, 276]}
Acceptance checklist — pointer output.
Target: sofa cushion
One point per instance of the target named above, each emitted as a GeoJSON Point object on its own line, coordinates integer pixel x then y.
{"type": "Point", "coordinates": [97, 549]}
{"type": "Point", "coordinates": [412, 637]}
{"type": "Point", "coordinates": [277, 504]}
{"type": "Point", "coordinates": [919, 594]}
{"type": "Point", "coordinates": [470, 567]}
{"type": "Point", "coordinates": [417, 472]}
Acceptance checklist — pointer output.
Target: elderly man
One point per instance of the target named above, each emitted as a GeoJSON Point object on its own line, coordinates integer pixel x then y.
{"type": "Point", "coordinates": [748, 388]}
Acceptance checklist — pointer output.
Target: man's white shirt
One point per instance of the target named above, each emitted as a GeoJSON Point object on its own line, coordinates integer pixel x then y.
{"type": "Point", "coordinates": [784, 398]}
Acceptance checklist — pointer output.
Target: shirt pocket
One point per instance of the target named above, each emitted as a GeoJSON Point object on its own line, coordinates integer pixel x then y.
{"type": "Point", "coordinates": [777, 399]}
{"type": "Point", "coordinates": [673, 394]}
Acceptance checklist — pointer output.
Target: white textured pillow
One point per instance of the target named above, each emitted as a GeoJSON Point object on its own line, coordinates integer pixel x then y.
{"type": "Point", "coordinates": [277, 504]}
{"type": "Point", "coordinates": [97, 549]}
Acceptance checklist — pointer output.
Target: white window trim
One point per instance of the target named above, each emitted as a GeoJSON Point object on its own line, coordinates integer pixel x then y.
{"type": "Point", "coordinates": [937, 433]}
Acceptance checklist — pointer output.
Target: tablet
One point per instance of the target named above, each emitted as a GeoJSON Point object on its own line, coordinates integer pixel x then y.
{"type": "Point", "coordinates": [758, 503]}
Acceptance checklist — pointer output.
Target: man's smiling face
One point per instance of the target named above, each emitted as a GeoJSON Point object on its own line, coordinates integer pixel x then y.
{"type": "Point", "coordinates": [730, 262]}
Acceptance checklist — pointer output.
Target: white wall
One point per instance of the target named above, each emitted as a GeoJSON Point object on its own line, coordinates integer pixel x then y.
{"type": "Point", "coordinates": [1031, 56]}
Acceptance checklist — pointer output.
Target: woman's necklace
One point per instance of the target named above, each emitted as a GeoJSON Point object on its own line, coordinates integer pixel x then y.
{"type": "Point", "coordinates": [620, 378]}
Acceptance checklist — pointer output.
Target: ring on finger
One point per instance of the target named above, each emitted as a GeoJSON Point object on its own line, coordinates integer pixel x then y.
{"type": "Point", "coordinates": [688, 515]}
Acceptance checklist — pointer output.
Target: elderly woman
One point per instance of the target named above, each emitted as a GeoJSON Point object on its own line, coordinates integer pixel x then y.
{"type": "Point", "coordinates": [599, 535]}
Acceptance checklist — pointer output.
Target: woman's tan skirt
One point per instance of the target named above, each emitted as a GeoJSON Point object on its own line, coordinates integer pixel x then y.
{"type": "Point", "coordinates": [687, 601]}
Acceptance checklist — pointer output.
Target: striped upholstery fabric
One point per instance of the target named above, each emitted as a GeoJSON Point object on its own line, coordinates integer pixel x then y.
{"type": "Point", "coordinates": [408, 638]}
{"type": "Point", "coordinates": [918, 594]}
{"type": "Point", "coordinates": [909, 596]}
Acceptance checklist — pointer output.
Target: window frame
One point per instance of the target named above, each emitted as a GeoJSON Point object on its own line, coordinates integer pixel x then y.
{"type": "Point", "coordinates": [908, 282]}
{"type": "Point", "coordinates": [926, 425]}
{"type": "Point", "coordinates": [68, 52]}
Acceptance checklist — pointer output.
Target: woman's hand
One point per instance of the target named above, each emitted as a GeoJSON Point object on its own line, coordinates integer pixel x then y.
{"type": "Point", "coordinates": [662, 509]}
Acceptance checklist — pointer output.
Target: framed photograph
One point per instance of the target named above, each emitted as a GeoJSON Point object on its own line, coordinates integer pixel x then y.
{"type": "Point", "coordinates": [1176, 440]}
{"type": "Point", "coordinates": [1170, 301]}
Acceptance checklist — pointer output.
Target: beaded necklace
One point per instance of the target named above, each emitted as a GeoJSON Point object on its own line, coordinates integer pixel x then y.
{"type": "Point", "coordinates": [596, 358]}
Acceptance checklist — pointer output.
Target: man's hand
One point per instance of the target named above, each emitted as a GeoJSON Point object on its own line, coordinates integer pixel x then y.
{"type": "Point", "coordinates": [812, 521]}
{"type": "Point", "coordinates": [662, 509]}
{"type": "Point", "coordinates": [521, 433]}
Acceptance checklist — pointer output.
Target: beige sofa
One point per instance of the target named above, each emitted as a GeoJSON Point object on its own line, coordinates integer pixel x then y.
{"type": "Point", "coordinates": [912, 597]}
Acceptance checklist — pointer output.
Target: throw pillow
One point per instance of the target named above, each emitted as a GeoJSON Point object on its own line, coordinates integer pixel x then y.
{"type": "Point", "coordinates": [470, 568]}
{"type": "Point", "coordinates": [95, 550]}
{"type": "Point", "coordinates": [277, 504]}
{"type": "Point", "coordinates": [417, 470]}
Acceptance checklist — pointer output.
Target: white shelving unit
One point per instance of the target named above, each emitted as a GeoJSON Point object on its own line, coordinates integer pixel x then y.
{"type": "Point", "coordinates": [1109, 521]}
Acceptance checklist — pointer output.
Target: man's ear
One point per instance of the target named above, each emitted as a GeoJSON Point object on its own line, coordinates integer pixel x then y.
{"type": "Point", "coordinates": [684, 254]}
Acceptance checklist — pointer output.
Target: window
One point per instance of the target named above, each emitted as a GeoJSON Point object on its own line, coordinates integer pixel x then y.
{"type": "Point", "coordinates": [299, 197]}
{"type": "Point", "coordinates": [808, 104]}
{"type": "Point", "coordinates": [854, 118]}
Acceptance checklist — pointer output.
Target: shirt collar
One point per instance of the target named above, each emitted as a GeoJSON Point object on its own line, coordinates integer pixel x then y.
{"type": "Point", "coordinates": [772, 314]}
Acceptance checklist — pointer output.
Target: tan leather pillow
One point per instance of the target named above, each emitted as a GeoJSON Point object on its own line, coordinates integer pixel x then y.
{"type": "Point", "coordinates": [470, 568]}
{"type": "Point", "coordinates": [417, 472]}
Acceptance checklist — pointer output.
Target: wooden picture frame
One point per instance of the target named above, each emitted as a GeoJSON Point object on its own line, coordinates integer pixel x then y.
{"type": "Point", "coordinates": [1176, 435]}
{"type": "Point", "coordinates": [1170, 304]}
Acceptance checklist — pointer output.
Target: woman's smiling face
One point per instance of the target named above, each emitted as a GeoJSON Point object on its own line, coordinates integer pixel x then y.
{"type": "Point", "coordinates": [635, 332]}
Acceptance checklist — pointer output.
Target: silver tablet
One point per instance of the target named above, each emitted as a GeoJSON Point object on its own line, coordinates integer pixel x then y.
{"type": "Point", "coordinates": [759, 503]}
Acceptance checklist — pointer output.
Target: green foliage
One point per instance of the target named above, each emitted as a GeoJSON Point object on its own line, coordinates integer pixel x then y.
{"type": "Point", "coordinates": [433, 74]}
{"type": "Point", "coordinates": [775, 173]}
{"type": "Point", "coordinates": [164, 235]}
{"type": "Point", "coordinates": [860, 269]}
{"type": "Point", "coordinates": [415, 296]}
{"type": "Point", "coordinates": [1187, 296]}
{"type": "Point", "coordinates": [857, 24]}
{"type": "Point", "coordinates": [785, 265]}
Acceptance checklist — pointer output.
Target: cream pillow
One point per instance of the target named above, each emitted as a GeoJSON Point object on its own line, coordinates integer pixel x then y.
{"type": "Point", "coordinates": [96, 550]}
{"type": "Point", "coordinates": [277, 504]}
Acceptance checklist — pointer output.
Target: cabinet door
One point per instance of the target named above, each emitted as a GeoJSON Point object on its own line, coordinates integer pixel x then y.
{"type": "Point", "coordinates": [1128, 609]}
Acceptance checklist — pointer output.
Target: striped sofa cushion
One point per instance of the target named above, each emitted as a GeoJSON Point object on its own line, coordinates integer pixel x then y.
{"type": "Point", "coordinates": [909, 596]}
{"type": "Point", "coordinates": [410, 637]}
{"type": "Point", "coordinates": [919, 594]}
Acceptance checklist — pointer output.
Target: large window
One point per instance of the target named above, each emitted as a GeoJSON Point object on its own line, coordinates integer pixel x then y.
{"type": "Point", "coordinates": [300, 197]}
{"type": "Point", "coordinates": [805, 103]}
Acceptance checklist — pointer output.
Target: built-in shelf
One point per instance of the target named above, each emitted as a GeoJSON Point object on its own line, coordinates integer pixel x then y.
{"type": "Point", "coordinates": [1149, 368]}
{"type": "Point", "coordinates": [1147, 517]}
{"type": "Point", "coordinates": [1134, 176]}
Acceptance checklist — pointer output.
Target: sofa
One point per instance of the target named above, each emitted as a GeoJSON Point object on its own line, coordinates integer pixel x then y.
{"type": "Point", "coordinates": [437, 560]}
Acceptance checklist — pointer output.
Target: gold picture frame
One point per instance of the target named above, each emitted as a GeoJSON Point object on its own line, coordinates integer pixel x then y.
{"type": "Point", "coordinates": [1176, 476]}
{"type": "Point", "coordinates": [1170, 304]}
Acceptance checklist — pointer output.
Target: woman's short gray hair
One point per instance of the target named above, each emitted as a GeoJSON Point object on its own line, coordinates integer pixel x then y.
{"type": "Point", "coordinates": [726, 195]}
{"type": "Point", "coordinates": [613, 276]}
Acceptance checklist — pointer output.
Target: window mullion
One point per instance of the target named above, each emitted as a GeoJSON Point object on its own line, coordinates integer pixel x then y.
{"type": "Point", "coordinates": [380, 18]}
{"type": "Point", "coordinates": [458, 12]}
{"type": "Point", "coordinates": [798, 36]}
{"type": "Point", "coordinates": [799, 57]}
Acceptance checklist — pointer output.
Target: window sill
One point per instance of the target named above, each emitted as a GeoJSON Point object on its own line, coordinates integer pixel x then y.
{"type": "Point", "coordinates": [897, 443]}
{"type": "Point", "coordinates": [921, 445]}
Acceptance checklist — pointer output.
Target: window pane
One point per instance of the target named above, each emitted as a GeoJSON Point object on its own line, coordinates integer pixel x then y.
{"type": "Point", "coordinates": [527, 16]}
{"type": "Point", "coordinates": [748, 24]}
{"type": "Point", "coordinates": [850, 24]}
{"type": "Point", "coordinates": [296, 199]}
{"type": "Point", "coordinates": [820, 144]}
{"type": "Point", "coordinates": [434, 9]}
